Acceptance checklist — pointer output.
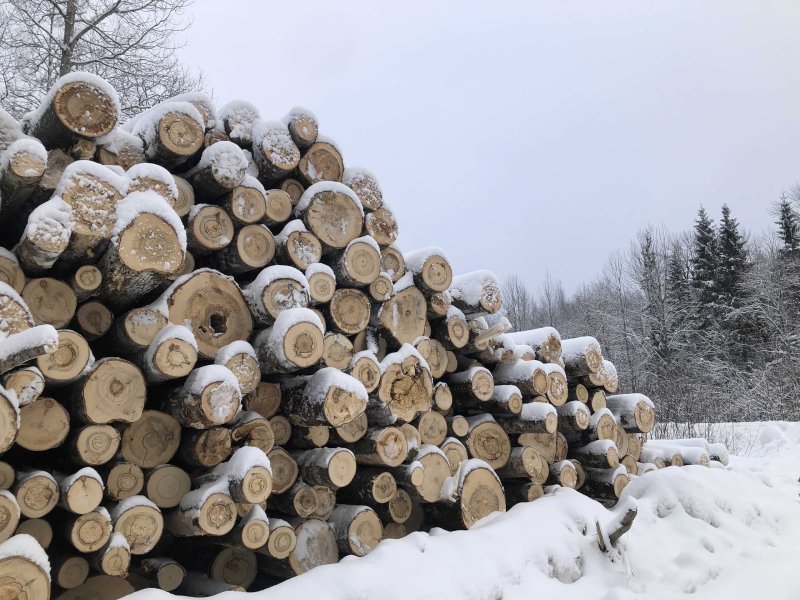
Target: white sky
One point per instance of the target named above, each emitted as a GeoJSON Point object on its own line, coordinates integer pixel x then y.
{"type": "Point", "coordinates": [530, 136]}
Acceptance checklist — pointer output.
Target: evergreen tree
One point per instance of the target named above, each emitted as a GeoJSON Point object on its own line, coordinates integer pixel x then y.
{"type": "Point", "coordinates": [731, 261]}
{"type": "Point", "coordinates": [704, 266]}
{"type": "Point", "coordinates": [788, 222]}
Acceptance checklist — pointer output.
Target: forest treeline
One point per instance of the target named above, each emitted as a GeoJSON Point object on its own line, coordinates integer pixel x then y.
{"type": "Point", "coordinates": [706, 322]}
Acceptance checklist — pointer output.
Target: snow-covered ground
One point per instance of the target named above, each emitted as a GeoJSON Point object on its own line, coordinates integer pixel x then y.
{"type": "Point", "coordinates": [700, 532]}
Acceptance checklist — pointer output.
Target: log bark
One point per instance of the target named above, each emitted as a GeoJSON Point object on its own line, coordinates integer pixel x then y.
{"type": "Point", "coordinates": [134, 331]}
{"type": "Point", "coordinates": [68, 571]}
{"type": "Point", "coordinates": [161, 572]}
{"type": "Point", "coordinates": [600, 454]}
{"type": "Point", "coordinates": [329, 397]}
{"type": "Point", "coordinates": [221, 169]}
{"type": "Point", "coordinates": [25, 163]}
{"type": "Point", "coordinates": [476, 294]}
{"type": "Point", "coordinates": [332, 467]}
{"type": "Point", "coordinates": [274, 151]}
{"type": "Point", "coordinates": [357, 529]}
{"type": "Point", "coordinates": [299, 501]}
{"type": "Point", "coordinates": [528, 375]}
{"type": "Point", "coordinates": [581, 356]}
{"type": "Point", "coordinates": [535, 417]}
{"type": "Point", "coordinates": [210, 396]}
{"type": "Point", "coordinates": [573, 416]}
{"type": "Point", "coordinates": [26, 382]}
{"type": "Point", "coordinates": [206, 447]}
{"type": "Point", "coordinates": [606, 484]}
{"type": "Point", "coordinates": [475, 385]}
{"type": "Point", "coordinates": [171, 355]}
{"type": "Point", "coordinates": [172, 132]}
{"type": "Point", "coordinates": [518, 492]}
{"type": "Point", "coordinates": [430, 268]}
{"type": "Point", "coordinates": [208, 510]}
{"type": "Point", "coordinates": [18, 348]}
{"type": "Point", "coordinates": [455, 452]}
{"type": "Point", "coordinates": [303, 127]}
{"type": "Point", "coordinates": [120, 148]}
{"type": "Point", "coordinates": [525, 463]}
{"type": "Point", "coordinates": [85, 282]}
{"type": "Point", "coordinates": [634, 412]}
{"type": "Point", "coordinates": [370, 486]}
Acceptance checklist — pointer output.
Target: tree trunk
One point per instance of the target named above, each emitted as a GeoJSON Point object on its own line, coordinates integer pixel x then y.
{"type": "Point", "coordinates": [333, 213]}
{"type": "Point", "coordinates": [406, 386]}
{"type": "Point", "coordinates": [210, 229]}
{"type": "Point", "coordinates": [357, 529]}
{"type": "Point", "coordinates": [209, 397]}
{"type": "Point", "coordinates": [113, 390]}
{"type": "Point", "coordinates": [297, 247]}
{"type": "Point", "coordinates": [75, 110]}
{"type": "Point", "coordinates": [476, 493]}
{"type": "Point", "coordinates": [321, 161]}
{"type": "Point", "coordinates": [253, 248]}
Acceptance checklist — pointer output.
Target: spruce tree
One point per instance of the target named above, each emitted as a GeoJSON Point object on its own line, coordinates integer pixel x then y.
{"type": "Point", "coordinates": [704, 266]}
{"type": "Point", "coordinates": [788, 222]}
{"type": "Point", "coordinates": [731, 261]}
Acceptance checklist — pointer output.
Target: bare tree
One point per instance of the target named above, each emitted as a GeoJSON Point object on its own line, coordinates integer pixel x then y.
{"type": "Point", "coordinates": [130, 43]}
{"type": "Point", "coordinates": [552, 300]}
{"type": "Point", "coordinates": [519, 305]}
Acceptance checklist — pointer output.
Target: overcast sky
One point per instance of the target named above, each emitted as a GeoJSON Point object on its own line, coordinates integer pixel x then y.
{"type": "Point", "coordinates": [524, 137]}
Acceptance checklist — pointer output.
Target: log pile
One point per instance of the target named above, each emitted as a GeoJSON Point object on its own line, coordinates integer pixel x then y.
{"type": "Point", "coordinates": [208, 333]}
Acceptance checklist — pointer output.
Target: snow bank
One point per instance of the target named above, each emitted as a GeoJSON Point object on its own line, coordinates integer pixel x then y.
{"type": "Point", "coordinates": [712, 533]}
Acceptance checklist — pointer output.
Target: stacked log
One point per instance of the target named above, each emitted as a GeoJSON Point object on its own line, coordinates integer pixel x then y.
{"type": "Point", "coordinates": [207, 329]}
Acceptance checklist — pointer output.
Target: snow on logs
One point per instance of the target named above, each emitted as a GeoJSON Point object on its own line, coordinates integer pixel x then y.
{"type": "Point", "coordinates": [207, 328]}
